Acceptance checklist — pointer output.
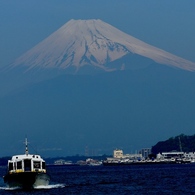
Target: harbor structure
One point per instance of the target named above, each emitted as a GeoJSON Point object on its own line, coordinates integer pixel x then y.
{"type": "Point", "coordinates": [145, 152]}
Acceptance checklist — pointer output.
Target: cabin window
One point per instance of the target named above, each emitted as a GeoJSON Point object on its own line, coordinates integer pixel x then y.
{"type": "Point", "coordinates": [19, 165]}
{"type": "Point", "coordinates": [37, 165]}
{"type": "Point", "coordinates": [43, 165]}
{"type": "Point", "coordinates": [27, 165]}
{"type": "Point", "coordinates": [10, 166]}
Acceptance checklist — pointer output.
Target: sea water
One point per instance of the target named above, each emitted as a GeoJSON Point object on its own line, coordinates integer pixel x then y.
{"type": "Point", "coordinates": [133, 179]}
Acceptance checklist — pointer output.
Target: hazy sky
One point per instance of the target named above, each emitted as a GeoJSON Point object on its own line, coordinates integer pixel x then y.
{"type": "Point", "coordinates": [167, 24]}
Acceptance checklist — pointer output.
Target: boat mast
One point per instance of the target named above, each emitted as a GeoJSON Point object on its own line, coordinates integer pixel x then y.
{"type": "Point", "coordinates": [26, 143]}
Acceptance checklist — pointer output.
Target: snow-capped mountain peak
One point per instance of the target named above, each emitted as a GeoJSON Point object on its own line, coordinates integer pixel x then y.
{"type": "Point", "coordinates": [92, 42]}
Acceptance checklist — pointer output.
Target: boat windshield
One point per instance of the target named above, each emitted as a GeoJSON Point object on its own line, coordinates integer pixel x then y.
{"type": "Point", "coordinates": [27, 165]}
{"type": "Point", "coordinates": [10, 166]}
{"type": "Point", "coordinates": [43, 165]}
{"type": "Point", "coordinates": [37, 164]}
{"type": "Point", "coordinates": [19, 165]}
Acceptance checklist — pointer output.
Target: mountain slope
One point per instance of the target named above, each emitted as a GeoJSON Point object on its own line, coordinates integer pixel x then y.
{"type": "Point", "coordinates": [130, 109]}
{"type": "Point", "coordinates": [95, 43]}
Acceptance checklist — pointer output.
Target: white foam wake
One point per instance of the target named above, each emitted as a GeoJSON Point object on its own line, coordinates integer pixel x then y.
{"type": "Point", "coordinates": [38, 187]}
{"type": "Point", "coordinates": [51, 186]}
{"type": "Point", "coordinates": [7, 188]}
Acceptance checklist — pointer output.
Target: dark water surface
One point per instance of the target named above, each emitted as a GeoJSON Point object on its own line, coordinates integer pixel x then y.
{"type": "Point", "coordinates": [137, 179]}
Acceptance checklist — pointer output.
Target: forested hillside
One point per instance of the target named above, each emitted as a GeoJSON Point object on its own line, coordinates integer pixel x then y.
{"type": "Point", "coordinates": [181, 142]}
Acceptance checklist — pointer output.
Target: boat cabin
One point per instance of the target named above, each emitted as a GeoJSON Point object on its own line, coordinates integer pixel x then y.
{"type": "Point", "coordinates": [26, 163]}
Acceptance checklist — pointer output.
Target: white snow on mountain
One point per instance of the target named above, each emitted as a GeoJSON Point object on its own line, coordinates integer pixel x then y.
{"type": "Point", "coordinates": [92, 42]}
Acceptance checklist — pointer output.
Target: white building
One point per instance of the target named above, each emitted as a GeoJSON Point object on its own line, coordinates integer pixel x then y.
{"type": "Point", "coordinates": [117, 153]}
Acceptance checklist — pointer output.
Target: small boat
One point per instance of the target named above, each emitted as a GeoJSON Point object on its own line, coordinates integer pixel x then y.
{"type": "Point", "coordinates": [26, 171]}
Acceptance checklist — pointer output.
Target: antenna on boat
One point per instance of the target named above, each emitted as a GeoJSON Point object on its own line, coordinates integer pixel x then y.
{"type": "Point", "coordinates": [26, 143]}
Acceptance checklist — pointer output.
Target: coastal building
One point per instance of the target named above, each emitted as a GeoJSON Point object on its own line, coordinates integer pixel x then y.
{"type": "Point", "coordinates": [168, 155]}
{"type": "Point", "coordinates": [162, 158]}
{"type": "Point", "coordinates": [62, 162]}
{"type": "Point", "coordinates": [190, 155]}
{"type": "Point", "coordinates": [177, 155]}
{"type": "Point", "coordinates": [145, 152]}
{"type": "Point", "coordinates": [117, 153]}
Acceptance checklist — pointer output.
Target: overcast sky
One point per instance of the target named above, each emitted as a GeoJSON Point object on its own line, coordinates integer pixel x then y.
{"type": "Point", "coordinates": [167, 24]}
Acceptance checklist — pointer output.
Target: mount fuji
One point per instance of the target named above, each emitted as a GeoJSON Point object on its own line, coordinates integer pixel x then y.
{"type": "Point", "coordinates": [53, 94]}
{"type": "Point", "coordinates": [94, 43]}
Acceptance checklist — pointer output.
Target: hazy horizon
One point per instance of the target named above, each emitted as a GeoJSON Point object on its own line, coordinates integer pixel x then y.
{"type": "Point", "coordinates": [129, 110]}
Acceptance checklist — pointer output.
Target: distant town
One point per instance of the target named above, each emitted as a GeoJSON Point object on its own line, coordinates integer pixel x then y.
{"type": "Point", "coordinates": [179, 149]}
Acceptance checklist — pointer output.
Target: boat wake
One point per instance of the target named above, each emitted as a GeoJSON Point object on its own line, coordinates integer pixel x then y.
{"type": "Point", "coordinates": [36, 188]}
{"type": "Point", "coordinates": [51, 186]}
{"type": "Point", "coordinates": [7, 188]}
